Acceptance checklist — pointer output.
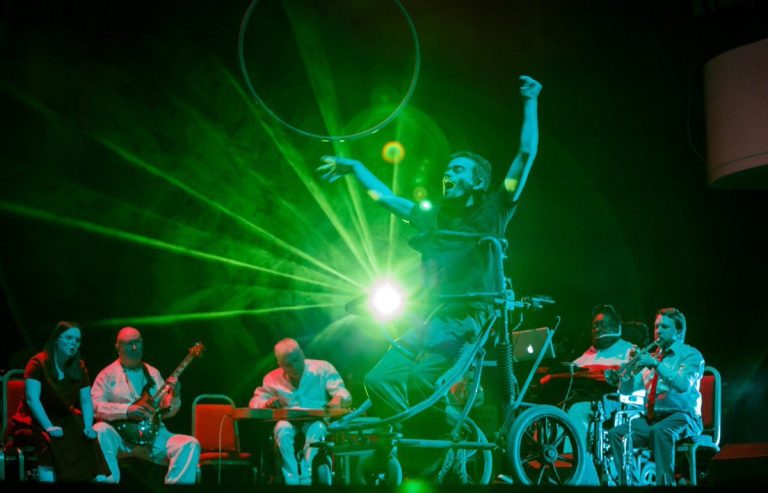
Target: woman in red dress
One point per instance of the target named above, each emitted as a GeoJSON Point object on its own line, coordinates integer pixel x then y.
{"type": "Point", "coordinates": [56, 415]}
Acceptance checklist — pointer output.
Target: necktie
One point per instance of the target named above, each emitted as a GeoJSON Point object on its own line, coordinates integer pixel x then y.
{"type": "Point", "coordinates": [652, 394]}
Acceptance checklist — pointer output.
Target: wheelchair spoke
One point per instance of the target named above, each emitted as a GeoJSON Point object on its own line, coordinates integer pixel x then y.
{"type": "Point", "coordinates": [563, 458]}
{"type": "Point", "coordinates": [544, 429]}
{"type": "Point", "coordinates": [529, 436]}
{"type": "Point", "coordinates": [529, 458]}
{"type": "Point", "coordinates": [541, 474]}
{"type": "Point", "coordinates": [557, 475]}
{"type": "Point", "coordinates": [537, 448]}
{"type": "Point", "coordinates": [559, 440]}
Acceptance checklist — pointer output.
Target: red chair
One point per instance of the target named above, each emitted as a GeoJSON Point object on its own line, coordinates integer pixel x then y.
{"type": "Point", "coordinates": [709, 440]}
{"type": "Point", "coordinates": [13, 394]}
{"type": "Point", "coordinates": [218, 434]}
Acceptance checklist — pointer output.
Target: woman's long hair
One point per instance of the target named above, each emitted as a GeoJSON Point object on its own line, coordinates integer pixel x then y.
{"type": "Point", "coordinates": [70, 367]}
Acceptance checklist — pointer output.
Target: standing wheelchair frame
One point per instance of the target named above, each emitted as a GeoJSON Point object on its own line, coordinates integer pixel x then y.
{"type": "Point", "coordinates": [533, 437]}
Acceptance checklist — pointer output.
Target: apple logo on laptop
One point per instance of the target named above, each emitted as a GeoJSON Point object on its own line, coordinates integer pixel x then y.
{"type": "Point", "coordinates": [530, 349]}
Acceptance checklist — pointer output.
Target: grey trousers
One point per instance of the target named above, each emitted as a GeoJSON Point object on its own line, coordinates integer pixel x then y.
{"type": "Point", "coordinates": [660, 436]}
{"type": "Point", "coordinates": [398, 382]}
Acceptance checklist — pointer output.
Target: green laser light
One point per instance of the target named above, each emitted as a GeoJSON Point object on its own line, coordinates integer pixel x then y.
{"type": "Point", "coordinates": [386, 301]}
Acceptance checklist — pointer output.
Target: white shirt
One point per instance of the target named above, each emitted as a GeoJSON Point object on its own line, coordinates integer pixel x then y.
{"type": "Point", "coordinates": [319, 383]}
{"type": "Point", "coordinates": [614, 355]}
{"type": "Point", "coordinates": [114, 390]}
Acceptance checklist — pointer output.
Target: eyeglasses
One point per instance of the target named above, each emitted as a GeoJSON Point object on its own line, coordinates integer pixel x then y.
{"type": "Point", "coordinates": [134, 342]}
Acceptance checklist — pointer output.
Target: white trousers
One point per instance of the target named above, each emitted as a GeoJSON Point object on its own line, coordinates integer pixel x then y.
{"type": "Point", "coordinates": [285, 437]}
{"type": "Point", "coordinates": [180, 452]}
{"type": "Point", "coordinates": [581, 413]}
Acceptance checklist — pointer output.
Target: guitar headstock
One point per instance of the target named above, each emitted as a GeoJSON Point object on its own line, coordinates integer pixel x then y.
{"type": "Point", "coordinates": [197, 350]}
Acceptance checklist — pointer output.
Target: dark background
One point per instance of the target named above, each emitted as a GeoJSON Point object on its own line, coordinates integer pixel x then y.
{"type": "Point", "coordinates": [617, 208]}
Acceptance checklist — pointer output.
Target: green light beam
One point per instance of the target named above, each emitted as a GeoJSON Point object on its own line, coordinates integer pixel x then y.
{"type": "Point", "coordinates": [23, 210]}
{"type": "Point", "coordinates": [29, 101]}
{"type": "Point", "coordinates": [330, 330]}
{"type": "Point", "coordinates": [137, 161]}
{"type": "Point", "coordinates": [393, 221]}
{"type": "Point", "coordinates": [176, 318]}
{"type": "Point", "coordinates": [316, 65]}
{"type": "Point", "coordinates": [48, 180]}
{"type": "Point", "coordinates": [292, 208]}
{"type": "Point", "coordinates": [361, 222]}
{"type": "Point", "coordinates": [260, 231]}
{"type": "Point", "coordinates": [296, 161]}
{"type": "Point", "coordinates": [320, 77]}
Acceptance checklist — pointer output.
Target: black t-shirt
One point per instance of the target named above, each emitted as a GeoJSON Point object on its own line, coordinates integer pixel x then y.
{"type": "Point", "coordinates": [457, 266]}
{"type": "Point", "coordinates": [56, 396]}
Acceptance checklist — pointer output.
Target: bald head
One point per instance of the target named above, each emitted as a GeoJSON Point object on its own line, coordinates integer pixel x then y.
{"type": "Point", "coordinates": [130, 347]}
{"type": "Point", "coordinates": [290, 358]}
{"type": "Point", "coordinates": [127, 334]}
{"type": "Point", "coordinates": [285, 347]}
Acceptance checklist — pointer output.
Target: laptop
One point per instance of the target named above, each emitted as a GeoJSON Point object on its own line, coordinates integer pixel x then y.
{"type": "Point", "coordinates": [527, 344]}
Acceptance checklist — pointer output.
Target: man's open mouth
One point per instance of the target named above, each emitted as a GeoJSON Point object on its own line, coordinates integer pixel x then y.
{"type": "Point", "coordinates": [448, 184]}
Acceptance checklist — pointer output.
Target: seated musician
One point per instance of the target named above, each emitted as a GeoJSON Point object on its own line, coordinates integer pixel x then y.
{"type": "Point", "coordinates": [671, 377]}
{"type": "Point", "coordinates": [608, 350]}
{"type": "Point", "coordinates": [56, 415]}
{"type": "Point", "coordinates": [115, 393]}
{"type": "Point", "coordinates": [299, 382]}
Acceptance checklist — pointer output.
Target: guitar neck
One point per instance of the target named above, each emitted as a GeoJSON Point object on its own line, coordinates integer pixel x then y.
{"type": "Point", "coordinates": [182, 366]}
{"type": "Point", "coordinates": [176, 373]}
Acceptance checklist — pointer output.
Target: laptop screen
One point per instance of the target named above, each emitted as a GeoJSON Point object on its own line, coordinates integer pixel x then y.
{"type": "Point", "coordinates": [527, 344]}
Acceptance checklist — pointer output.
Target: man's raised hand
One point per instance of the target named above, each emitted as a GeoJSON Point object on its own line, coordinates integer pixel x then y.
{"type": "Point", "coordinates": [529, 88]}
{"type": "Point", "coordinates": [334, 167]}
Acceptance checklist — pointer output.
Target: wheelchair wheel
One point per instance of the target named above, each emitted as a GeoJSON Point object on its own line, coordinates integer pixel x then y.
{"type": "Point", "coordinates": [646, 473]}
{"type": "Point", "coordinates": [394, 472]}
{"type": "Point", "coordinates": [322, 471]}
{"type": "Point", "coordinates": [375, 472]}
{"type": "Point", "coordinates": [537, 446]}
{"type": "Point", "coordinates": [468, 466]}
{"type": "Point", "coordinates": [608, 471]}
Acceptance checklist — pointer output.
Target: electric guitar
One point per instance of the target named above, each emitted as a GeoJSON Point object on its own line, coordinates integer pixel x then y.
{"type": "Point", "coordinates": [144, 432]}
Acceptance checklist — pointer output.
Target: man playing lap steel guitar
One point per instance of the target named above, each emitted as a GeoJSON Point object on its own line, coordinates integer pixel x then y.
{"type": "Point", "coordinates": [115, 393]}
{"type": "Point", "coordinates": [299, 383]}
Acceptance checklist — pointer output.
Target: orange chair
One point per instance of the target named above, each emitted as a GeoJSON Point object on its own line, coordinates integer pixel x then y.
{"type": "Point", "coordinates": [13, 394]}
{"type": "Point", "coordinates": [709, 440]}
{"type": "Point", "coordinates": [218, 434]}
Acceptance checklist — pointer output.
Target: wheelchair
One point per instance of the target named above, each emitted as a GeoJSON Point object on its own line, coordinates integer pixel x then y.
{"type": "Point", "coordinates": [539, 443]}
{"type": "Point", "coordinates": [635, 467]}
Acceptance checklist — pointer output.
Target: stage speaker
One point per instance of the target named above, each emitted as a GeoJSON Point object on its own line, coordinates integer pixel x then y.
{"type": "Point", "coordinates": [739, 463]}
{"type": "Point", "coordinates": [737, 121]}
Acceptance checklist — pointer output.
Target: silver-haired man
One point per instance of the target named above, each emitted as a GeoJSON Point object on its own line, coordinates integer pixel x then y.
{"type": "Point", "coordinates": [299, 382]}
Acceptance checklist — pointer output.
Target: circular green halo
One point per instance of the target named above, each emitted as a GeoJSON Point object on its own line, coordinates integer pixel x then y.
{"type": "Point", "coordinates": [337, 138]}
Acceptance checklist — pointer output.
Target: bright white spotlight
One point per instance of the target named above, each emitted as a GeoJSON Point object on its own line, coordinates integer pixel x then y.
{"type": "Point", "coordinates": [385, 301]}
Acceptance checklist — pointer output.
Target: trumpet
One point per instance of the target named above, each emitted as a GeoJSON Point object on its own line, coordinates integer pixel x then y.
{"type": "Point", "coordinates": [630, 368]}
